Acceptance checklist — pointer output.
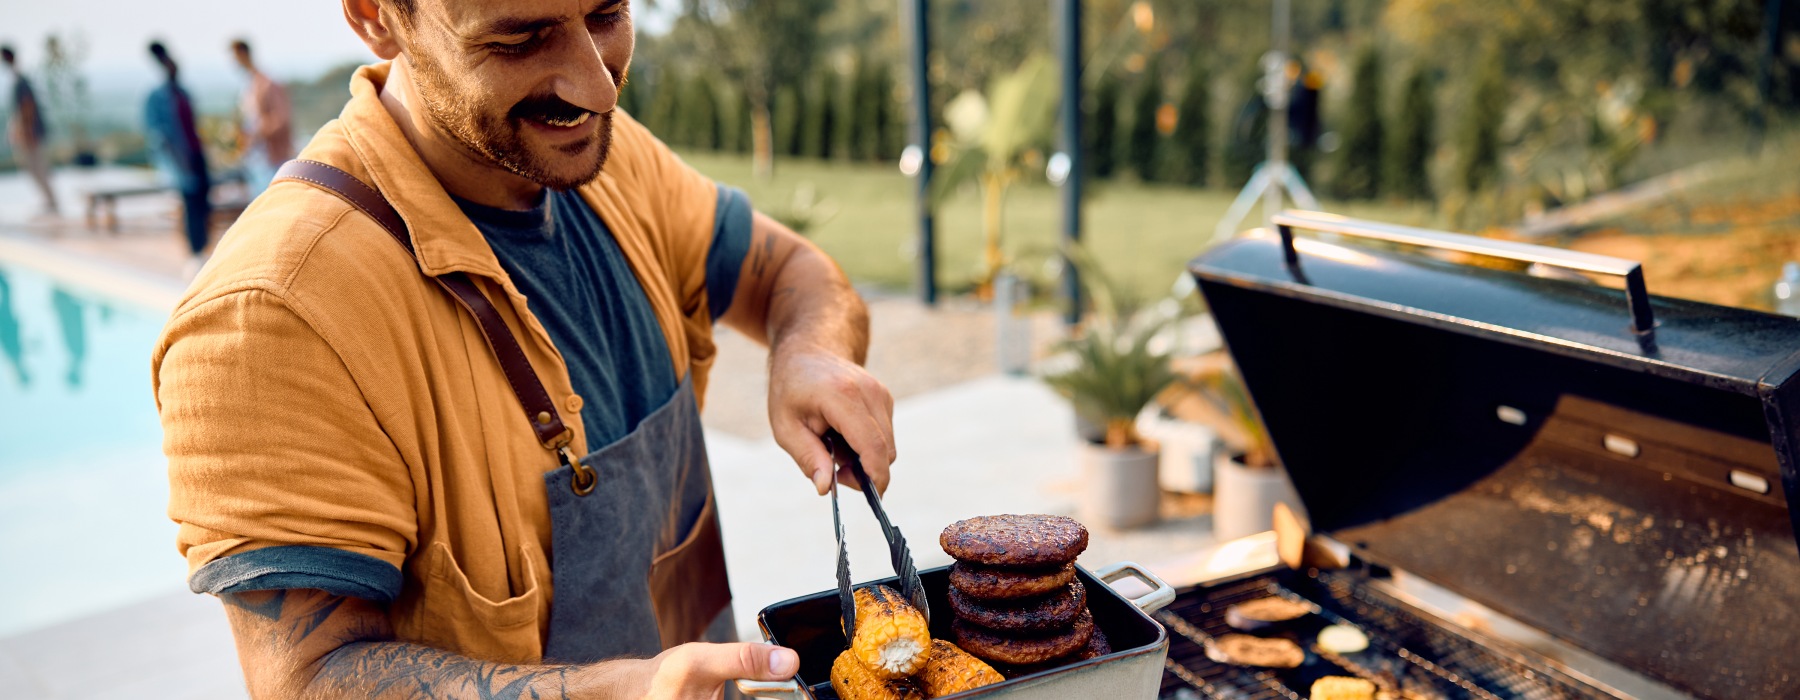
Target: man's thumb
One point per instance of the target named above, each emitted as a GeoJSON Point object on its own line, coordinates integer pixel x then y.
{"type": "Point", "coordinates": [747, 660]}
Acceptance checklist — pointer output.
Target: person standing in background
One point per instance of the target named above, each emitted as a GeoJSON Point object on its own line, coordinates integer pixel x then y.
{"type": "Point", "coordinates": [26, 131]}
{"type": "Point", "coordinates": [174, 145]}
{"type": "Point", "coordinates": [265, 124]}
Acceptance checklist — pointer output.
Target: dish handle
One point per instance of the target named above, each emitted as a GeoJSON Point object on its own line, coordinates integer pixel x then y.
{"type": "Point", "coordinates": [1160, 595]}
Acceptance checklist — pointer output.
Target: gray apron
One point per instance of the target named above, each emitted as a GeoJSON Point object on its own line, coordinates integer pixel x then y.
{"type": "Point", "coordinates": [637, 565]}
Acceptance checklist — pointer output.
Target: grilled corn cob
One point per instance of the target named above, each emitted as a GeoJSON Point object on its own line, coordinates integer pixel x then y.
{"type": "Point", "coordinates": [853, 681]}
{"type": "Point", "coordinates": [951, 670]}
{"type": "Point", "coordinates": [892, 638]}
{"type": "Point", "coordinates": [1342, 688]}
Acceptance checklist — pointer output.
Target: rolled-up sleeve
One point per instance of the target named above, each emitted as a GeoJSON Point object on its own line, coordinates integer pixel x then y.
{"type": "Point", "coordinates": [280, 475]}
{"type": "Point", "coordinates": [730, 244]}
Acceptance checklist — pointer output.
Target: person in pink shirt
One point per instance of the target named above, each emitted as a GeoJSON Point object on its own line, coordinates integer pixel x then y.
{"type": "Point", "coordinates": [266, 126]}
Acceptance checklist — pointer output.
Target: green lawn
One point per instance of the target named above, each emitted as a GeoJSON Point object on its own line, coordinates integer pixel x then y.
{"type": "Point", "coordinates": [1142, 234]}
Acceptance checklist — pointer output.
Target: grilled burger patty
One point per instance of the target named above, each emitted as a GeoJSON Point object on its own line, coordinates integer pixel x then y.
{"type": "Point", "coordinates": [1245, 650]}
{"type": "Point", "coordinates": [989, 583]}
{"type": "Point", "coordinates": [1042, 614]}
{"type": "Point", "coordinates": [1015, 540]}
{"type": "Point", "coordinates": [1021, 650]}
{"type": "Point", "coordinates": [1097, 645]}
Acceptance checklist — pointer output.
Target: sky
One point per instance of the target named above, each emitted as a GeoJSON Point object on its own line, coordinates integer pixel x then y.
{"type": "Point", "coordinates": [293, 39]}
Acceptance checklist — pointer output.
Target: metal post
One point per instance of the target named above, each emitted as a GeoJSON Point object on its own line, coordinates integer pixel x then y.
{"type": "Point", "coordinates": [919, 20]}
{"type": "Point", "coordinates": [1068, 32]}
{"type": "Point", "coordinates": [1278, 92]}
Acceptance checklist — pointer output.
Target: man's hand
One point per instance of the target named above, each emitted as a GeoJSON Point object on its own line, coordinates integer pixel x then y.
{"type": "Point", "coordinates": [811, 390]}
{"type": "Point", "coordinates": [305, 643]}
{"type": "Point", "coordinates": [791, 296]}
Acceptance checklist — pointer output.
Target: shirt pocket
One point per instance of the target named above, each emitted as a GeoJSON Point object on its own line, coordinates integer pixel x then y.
{"type": "Point", "coordinates": [454, 615]}
{"type": "Point", "coordinates": [688, 587]}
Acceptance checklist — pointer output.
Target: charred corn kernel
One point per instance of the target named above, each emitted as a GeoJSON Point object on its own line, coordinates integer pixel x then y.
{"type": "Point", "coordinates": [853, 681]}
{"type": "Point", "coordinates": [892, 638]}
{"type": "Point", "coordinates": [951, 670]}
{"type": "Point", "coordinates": [1342, 688]}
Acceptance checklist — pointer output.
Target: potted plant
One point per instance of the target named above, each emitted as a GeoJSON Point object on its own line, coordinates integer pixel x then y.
{"type": "Point", "coordinates": [1247, 479]}
{"type": "Point", "coordinates": [1110, 370]}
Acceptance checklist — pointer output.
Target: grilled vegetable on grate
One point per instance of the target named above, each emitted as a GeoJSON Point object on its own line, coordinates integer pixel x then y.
{"type": "Point", "coordinates": [952, 670]}
{"type": "Point", "coordinates": [892, 637]}
{"type": "Point", "coordinates": [1342, 688]}
{"type": "Point", "coordinates": [854, 681]}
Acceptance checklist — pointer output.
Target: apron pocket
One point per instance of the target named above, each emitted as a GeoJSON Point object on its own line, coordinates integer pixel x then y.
{"type": "Point", "coordinates": [688, 586]}
{"type": "Point", "coordinates": [457, 616]}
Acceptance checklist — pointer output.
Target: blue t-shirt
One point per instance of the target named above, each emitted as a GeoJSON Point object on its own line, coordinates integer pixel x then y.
{"type": "Point", "coordinates": [580, 286]}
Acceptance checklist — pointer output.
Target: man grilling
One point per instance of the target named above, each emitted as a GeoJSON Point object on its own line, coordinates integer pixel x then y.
{"type": "Point", "coordinates": [369, 477]}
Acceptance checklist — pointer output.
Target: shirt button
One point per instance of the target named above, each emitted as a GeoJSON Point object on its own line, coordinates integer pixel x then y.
{"type": "Point", "coordinates": [575, 402]}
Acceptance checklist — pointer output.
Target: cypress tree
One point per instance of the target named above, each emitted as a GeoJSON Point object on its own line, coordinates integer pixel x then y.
{"type": "Point", "coordinates": [1191, 150]}
{"type": "Point", "coordinates": [1409, 145]}
{"type": "Point", "coordinates": [1103, 127]}
{"type": "Point", "coordinates": [1478, 136]}
{"type": "Point", "coordinates": [665, 98]}
{"type": "Point", "coordinates": [865, 135]}
{"type": "Point", "coordinates": [890, 129]}
{"type": "Point", "coordinates": [1247, 144]}
{"type": "Point", "coordinates": [819, 128]}
{"type": "Point", "coordinates": [1359, 159]}
{"type": "Point", "coordinates": [1141, 137]}
{"type": "Point", "coordinates": [702, 110]}
{"type": "Point", "coordinates": [786, 111]}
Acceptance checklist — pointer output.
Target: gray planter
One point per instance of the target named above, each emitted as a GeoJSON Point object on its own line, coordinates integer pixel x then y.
{"type": "Point", "coordinates": [1244, 498]}
{"type": "Point", "coordinates": [1119, 487]}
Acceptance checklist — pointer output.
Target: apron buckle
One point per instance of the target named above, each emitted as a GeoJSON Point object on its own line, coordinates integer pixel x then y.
{"type": "Point", "coordinates": [584, 478]}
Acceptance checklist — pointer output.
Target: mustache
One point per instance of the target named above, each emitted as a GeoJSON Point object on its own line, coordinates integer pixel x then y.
{"type": "Point", "coordinates": [546, 108]}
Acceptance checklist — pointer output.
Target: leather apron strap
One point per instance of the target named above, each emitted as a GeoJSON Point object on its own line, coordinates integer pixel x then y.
{"type": "Point", "coordinates": [540, 411]}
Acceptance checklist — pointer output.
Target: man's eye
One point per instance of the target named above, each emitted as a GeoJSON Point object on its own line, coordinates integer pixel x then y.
{"type": "Point", "coordinates": [514, 47]}
{"type": "Point", "coordinates": [612, 14]}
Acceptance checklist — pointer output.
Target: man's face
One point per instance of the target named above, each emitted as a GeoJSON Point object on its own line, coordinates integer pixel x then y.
{"type": "Point", "coordinates": [529, 85]}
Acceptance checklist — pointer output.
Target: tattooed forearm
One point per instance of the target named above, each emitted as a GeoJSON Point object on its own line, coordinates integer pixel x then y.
{"type": "Point", "coordinates": [311, 644]}
{"type": "Point", "coordinates": [399, 669]}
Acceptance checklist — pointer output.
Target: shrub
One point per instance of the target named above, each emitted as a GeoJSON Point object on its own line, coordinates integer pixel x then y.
{"type": "Point", "coordinates": [1141, 137]}
{"type": "Point", "coordinates": [1409, 145]}
{"type": "Point", "coordinates": [1191, 147]}
{"type": "Point", "coordinates": [1102, 128]}
{"type": "Point", "coordinates": [1359, 159]}
{"type": "Point", "coordinates": [1478, 135]}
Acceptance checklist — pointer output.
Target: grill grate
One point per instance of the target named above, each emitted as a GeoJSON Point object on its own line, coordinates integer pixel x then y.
{"type": "Point", "coordinates": [1408, 656]}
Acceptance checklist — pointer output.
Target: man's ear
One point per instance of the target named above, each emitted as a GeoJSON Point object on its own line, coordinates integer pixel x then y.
{"type": "Point", "coordinates": [375, 25]}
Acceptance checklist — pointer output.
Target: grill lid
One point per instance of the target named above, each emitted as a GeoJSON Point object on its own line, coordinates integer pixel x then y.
{"type": "Point", "coordinates": [1512, 438]}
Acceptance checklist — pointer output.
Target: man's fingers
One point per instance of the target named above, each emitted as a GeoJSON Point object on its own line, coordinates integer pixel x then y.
{"type": "Point", "coordinates": [871, 442]}
{"type": "Point", "coordinates": [704, 668]}
{"type": "Point", "coordinates": [808, 451]}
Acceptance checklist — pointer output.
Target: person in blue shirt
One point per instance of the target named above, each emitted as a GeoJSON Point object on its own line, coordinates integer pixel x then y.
{"type": "Point", "coordinates": [174, 145]}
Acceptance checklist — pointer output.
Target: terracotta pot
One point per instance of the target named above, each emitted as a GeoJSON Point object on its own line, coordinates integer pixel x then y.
{"type": "Point", "coordinates": [1244, 498]}
{"type": "Point", "coordinates": [1119, 487]}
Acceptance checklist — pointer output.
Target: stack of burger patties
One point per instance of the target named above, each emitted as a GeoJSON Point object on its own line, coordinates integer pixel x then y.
{"type": "Point", "coordinates": [1013, 588]}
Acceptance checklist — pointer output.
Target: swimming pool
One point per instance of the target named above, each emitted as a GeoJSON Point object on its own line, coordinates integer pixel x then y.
{"type": "Point", "coordinates": [83, 482]}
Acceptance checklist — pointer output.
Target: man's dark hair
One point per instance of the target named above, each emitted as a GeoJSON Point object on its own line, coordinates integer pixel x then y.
{"type": "Point", "coordinates": [6, 54]}
{"type": "Point", "coordinates": [159, 51]}
{"type": "Point", "coordinates": [241, 46]}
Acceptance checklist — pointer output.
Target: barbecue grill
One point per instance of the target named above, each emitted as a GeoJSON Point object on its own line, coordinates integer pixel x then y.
{"type": "Point", "coordinates": [1546, 487]}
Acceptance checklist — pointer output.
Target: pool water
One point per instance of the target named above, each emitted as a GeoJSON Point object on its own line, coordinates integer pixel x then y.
{"type": "Point", "coordinates": [83, 482]}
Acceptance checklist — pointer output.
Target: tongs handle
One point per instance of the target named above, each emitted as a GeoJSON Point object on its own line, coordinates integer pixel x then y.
{"type": "Point", "coordinates": [898, 552]}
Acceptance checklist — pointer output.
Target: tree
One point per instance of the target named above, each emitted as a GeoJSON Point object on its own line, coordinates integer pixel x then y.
{"type": "Point", "coordinates": [1478, 136]}
{"type": "Point", "coordinates": [1359, 159]}
{"type": "Point", "coordinates": [1409, 145]}
{"type": "Point", "coordinates": [660, 116]}
{"type": "Point", "coordinates": [1103, 127]}
{"type": "Point", "coordinates": [761, 44]}
{"type": "Point", "coordinates": [787, 113]}
{"type": "Point", "coordinates": [701, 112]}
{"type": "Point", "coordinates": [1247, 143]}
{"type": "Point", "coordinates": [1141, 136]}
{"type": "Point", "coordinates": [1191, 147]}
{"type": "Point", "coordinates": [819, 128]}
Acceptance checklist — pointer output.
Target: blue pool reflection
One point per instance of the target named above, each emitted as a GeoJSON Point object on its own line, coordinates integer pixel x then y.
{"type": "Point", "coordinates": [83, 483]}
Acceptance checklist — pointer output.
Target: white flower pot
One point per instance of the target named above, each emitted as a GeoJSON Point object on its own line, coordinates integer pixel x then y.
{"type": "Point", "coordinates": [1244, 498]}
{"type": "Point", "coordinates": [1186, 448]}
{"type": "Point", "coordinates": [1119, 487]}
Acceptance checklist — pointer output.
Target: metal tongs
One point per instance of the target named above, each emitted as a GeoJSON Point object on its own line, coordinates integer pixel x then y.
{"type": "Point", "coordinates": [910, 588]}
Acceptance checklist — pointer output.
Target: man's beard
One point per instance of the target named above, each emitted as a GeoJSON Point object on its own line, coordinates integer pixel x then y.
{"type": "Point", "coordinates": [498, 138]}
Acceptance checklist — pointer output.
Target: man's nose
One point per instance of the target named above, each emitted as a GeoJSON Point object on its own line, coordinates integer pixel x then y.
{"type": "Point", "coordinates": [582, 77]}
